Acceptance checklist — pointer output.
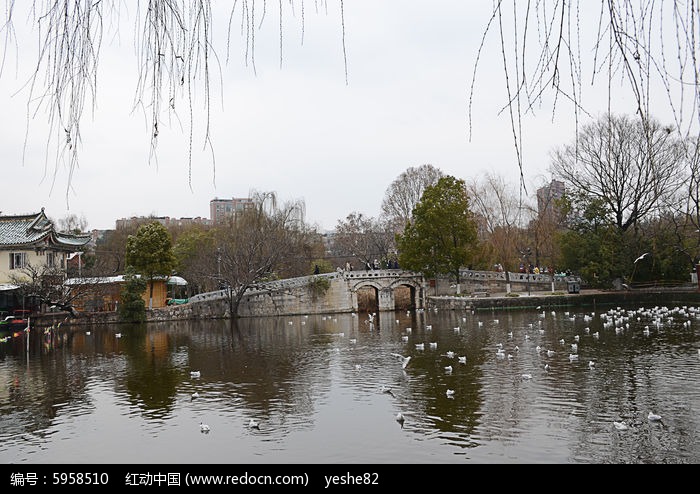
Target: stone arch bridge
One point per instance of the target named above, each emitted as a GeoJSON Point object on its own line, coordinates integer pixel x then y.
{"type": "Point", "coordinates": [342, 291]}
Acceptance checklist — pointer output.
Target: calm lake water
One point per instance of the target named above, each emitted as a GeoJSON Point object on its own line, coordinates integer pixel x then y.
{"type": "Point", "coordinates": [327, 389]}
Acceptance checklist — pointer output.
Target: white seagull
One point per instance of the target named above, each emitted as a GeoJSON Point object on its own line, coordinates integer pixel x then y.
{"type": "Point", "coordinates": [204, 428]}
{"type": "Point", "coordinates": [404, 360]}
{"type": "Point", "coordinates": [400, 419]}
{"type": "Point", "coordinates": [450, 392]}
{"type": "Point", "coordinates": [195, 374]}
{"type": "Point", "coordinates": [620, 426]}
{"type": "Point", "coordinates": [641, 257]}
{"type": "Point", "coordinates": [253, 424]}
{"type": "Point", "coordinates": [195, 395]}
{"type": "Point", "coordinates": [654, 417]}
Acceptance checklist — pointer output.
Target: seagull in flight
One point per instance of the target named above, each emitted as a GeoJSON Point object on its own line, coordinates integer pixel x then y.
{"type": "Point", "coordinates": [641, 257]}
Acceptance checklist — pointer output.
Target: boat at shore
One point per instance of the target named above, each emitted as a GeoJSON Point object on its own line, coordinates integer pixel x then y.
{"type": "Point", "coordinates": [17, 321]}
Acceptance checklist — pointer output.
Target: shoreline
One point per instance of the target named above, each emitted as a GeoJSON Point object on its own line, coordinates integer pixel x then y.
{"type": "Point", "coordinates": [585, 298]}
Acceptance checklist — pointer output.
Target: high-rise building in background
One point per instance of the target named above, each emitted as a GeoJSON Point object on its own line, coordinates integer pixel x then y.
{"type": "Point", "coordinates": [220, 209]}
{"type": "Point", "coordinates": [546, 197]}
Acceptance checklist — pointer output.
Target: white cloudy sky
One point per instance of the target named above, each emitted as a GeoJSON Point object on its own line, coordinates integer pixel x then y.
{"type": "Point", "coordinates": [298, 130]}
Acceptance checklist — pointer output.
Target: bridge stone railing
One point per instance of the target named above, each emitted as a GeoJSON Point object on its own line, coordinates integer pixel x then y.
{"type": "Point", "coordinates": [380, 273]}
{"type": "Point", "coordinates": [270, 286]}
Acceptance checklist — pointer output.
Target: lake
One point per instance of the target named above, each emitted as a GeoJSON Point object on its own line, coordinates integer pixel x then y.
{"type": "Point", "coordinates": [328, 389]}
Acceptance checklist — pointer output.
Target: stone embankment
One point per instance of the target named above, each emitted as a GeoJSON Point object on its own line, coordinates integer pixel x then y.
{"type": "Point", "coordinates": [585, 298]}
{"type": "Point", "coordinates": [594, 300]}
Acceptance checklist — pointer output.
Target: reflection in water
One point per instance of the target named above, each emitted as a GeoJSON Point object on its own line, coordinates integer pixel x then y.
{"type": "Point", "coordinates": [328, 389]}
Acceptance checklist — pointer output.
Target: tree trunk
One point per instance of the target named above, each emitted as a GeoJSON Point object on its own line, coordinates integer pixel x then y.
{"type": "Point", "coordinates": [150, 296]}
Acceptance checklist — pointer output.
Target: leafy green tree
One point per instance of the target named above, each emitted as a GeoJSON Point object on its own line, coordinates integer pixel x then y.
{"type": "Point", "coordinates": [132, 307]}
{"type": "Point", "coordinates": [150, 253]}
{"type": "Point", "coordinates": [593, 246]}
{"type": "Point", "coordinates": [441, 236]}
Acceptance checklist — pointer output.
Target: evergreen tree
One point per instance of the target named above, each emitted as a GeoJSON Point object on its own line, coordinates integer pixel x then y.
{"type": "Point", "coordinates": [441, 236]}
{"type": "Point", "coordinates": [150, 253]}
{"type": "Point", "coordinates": [132, 307]}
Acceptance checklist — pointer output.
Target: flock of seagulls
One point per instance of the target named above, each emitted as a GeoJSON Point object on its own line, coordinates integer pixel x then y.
{"type": "Point", "coordinates": [617, 319]}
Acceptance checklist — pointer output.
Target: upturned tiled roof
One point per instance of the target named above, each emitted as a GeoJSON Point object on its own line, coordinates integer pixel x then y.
{"type": "Point", "coordinates": [27, 230]}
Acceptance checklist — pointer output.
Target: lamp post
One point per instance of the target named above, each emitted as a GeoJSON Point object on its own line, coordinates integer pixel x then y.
{"type": "Point", "coordinates": [526, 259]}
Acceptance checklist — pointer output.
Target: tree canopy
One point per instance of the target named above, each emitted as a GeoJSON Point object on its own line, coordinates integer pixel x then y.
{"type": "Point", "coordinates": [150, 253]}
{"type": "Point", "coordinates": [441, 236]}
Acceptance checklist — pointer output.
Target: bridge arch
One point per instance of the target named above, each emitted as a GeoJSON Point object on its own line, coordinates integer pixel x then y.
{"type": "Point", "coordinates": [386, 294]}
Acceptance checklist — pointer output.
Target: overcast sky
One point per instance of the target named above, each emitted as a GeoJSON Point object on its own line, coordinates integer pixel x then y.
{"type": "Point", "coordinates": [298, 130]}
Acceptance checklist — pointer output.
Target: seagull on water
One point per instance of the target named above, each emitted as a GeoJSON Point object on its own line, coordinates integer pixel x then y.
{"type": "Point", "coordinates": [620, 426]}
{"type": "Point", "coordinates": [404, 360]}
{"type": "Point", "coordinates": [400, 419]}
{"type": "Point", "coordinates": [195, 395]}
{"type": "Point", "coordinates": [195, 374]}
{"type": "Point", "coordinates": [448, 369]}
{"type": "Point", "coordinates": [204, 428]}
{"type": "Point", "coordinates": [654, 417]}
{"type": "Point", "coordinates": [462, 360]}
{"type": "Point", "coordinates": [253, 424]}
{"type": "Point", "coordinates": [450, 392]}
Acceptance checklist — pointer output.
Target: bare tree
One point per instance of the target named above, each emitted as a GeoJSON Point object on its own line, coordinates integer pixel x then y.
{"type": "Point", "coordinates": [72, 223]}
{"type": "Point", "coordinates": [499, 212]}
{"type": "Point", "coordinates": [363, 238]}
{"type": "Point", "coordinates": [559, 49]}
{"type": "Point", "coordinates": [626, 164]}
{"type": "Point", "coordinates": [405, 192]}
{"type": "Point", "coordinates": [683, 206]}
{"type": "Point", "coordinates": [176, 53]}
{"type": "Point", "coordinates": [251, 248]}
{"type": "Point", "coordinates": [47, 286]}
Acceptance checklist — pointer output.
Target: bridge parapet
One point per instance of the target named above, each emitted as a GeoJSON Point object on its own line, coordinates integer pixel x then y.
{"type": "Point", "coordinates": [380, 273]}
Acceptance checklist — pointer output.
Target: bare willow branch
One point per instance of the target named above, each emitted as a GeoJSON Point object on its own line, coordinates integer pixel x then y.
{"type": "Point", "coordinates": [635, 47]}
{"type": "Point", "coordinates": [176, 59]}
